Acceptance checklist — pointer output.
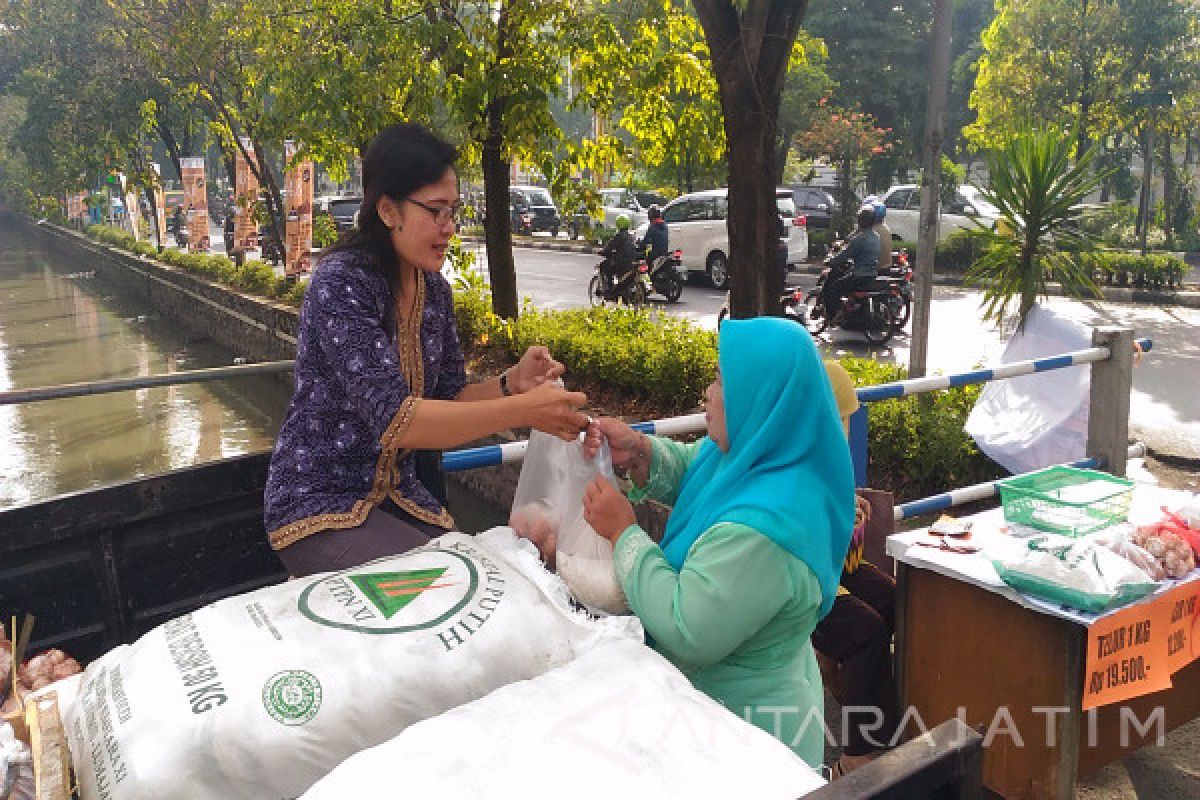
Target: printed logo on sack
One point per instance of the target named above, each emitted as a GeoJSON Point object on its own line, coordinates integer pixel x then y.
{"type": "Point", "coordinates": [292, 697]}
{"type": "Point", "coordinates": [433, 586]}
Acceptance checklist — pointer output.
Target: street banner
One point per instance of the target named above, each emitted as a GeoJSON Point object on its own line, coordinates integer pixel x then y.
{"type": "Point", "coordinates": [77, 206]}
{"type": "Point", "coordinates": [160, 204]}
{"type": "Point", "coordinates": [245, 227]}
{"type": "Point", "coordinates": [1136, 650]}
{"type": "Point", "coordinates": [195, 203]}
{"type": "Point", "coordinates": [298, 207]}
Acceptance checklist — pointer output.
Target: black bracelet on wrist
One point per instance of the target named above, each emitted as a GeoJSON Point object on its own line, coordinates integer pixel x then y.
{"type": "Point", "coordinates": [504, 390]}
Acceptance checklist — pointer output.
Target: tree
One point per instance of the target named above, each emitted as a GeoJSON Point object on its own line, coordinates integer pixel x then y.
{"type": "Point", "coordinates": [805, 94]}
{"type": "Point", "coordinates": [501, 64]}
{"type": "Point", "coordinates": [848, 139]}
{"type": "Point", "coordinates": [877, 57]}
{"type": "Point", "coordinates": [1035, 186]}
{"type": "Point", "coordinates": [751, 42]}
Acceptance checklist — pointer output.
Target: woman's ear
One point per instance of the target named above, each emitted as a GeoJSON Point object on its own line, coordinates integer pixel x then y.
{"type": "Point", "coordinates": [388, 211]}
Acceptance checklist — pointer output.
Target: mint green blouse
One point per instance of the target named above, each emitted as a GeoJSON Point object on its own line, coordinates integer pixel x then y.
{"type": "Point", "coordinates": [737, 619]}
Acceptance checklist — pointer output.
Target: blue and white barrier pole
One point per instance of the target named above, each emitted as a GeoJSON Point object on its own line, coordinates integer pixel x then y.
{"type": "Point", "coordinates": [982, 491]}
{"type": "Point", "coordinates": [513, 452]}
{"type": "Point", "coordinates": [891, 391]}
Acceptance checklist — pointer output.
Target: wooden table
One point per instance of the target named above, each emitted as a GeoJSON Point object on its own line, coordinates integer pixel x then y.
{"type": "Point", "coordinates": [971, 648]}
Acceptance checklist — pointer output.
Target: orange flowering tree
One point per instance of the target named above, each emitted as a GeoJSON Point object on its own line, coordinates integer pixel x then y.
{"type": "Point", "coordinates": [849, 139]}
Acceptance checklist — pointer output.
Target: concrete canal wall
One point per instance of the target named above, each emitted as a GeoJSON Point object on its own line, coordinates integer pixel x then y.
{"type": "Point", "coordinates": [255, 328]}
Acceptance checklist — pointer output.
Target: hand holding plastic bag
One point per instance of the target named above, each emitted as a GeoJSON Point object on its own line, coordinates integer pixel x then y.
{"type": "Point", "coordinates": [548, 510]}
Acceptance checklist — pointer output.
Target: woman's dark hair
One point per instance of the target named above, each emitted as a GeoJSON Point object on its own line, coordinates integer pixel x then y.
{"type": "Point", "coordinates": [402, 159]}
{"type": "Point", "coordinates": [866, 217]}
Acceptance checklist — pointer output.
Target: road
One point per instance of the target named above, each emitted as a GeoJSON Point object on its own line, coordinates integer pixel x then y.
{"type": "Point", "coordinates": [1164, 407]}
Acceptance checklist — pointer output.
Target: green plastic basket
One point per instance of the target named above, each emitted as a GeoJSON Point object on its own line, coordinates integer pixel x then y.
{"type": "Point", "coordinates": [1066, 500]}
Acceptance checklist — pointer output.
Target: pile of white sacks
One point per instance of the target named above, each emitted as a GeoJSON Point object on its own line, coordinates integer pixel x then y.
{"type": "Point", "coordinates": [459, 668]}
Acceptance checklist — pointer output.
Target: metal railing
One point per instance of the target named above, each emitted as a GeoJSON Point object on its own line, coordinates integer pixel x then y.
{"type": "Point", "coordinates": [514, 452]}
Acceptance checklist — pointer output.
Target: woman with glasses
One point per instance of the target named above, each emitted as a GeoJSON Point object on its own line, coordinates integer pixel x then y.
{"type": "Point", "coordinates": [380, 384]}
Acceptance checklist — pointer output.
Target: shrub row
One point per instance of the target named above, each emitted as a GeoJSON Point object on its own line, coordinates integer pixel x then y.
{"type": "Point", "coordinates": [917, 445]}
{"type": "Point", "coordinates": [958, 251]}
{"type": "Point", "coordinates": [253, 277]}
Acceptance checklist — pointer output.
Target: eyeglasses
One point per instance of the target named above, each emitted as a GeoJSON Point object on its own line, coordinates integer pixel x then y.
{"type": "Point", "coordinates": [441, 214]}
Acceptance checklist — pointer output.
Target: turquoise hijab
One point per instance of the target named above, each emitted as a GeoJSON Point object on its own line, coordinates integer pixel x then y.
{"type": "Point", "coordinates": [787, 473]}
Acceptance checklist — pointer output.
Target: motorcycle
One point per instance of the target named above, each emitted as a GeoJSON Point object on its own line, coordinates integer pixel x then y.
{"type": "Point", "coordinates": [869, 310]}
{"type": "Point", "coordinates": [791, 306]}
{"type": "Point", "coordinates": [631, 289]}
{"type": "Point", "coordinates": [667, 275]}
{"type": "Point", "coordinates": [901, 270]}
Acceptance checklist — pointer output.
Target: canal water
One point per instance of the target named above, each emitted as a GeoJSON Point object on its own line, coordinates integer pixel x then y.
{"type": "Point", "coordinates": [59, 324]}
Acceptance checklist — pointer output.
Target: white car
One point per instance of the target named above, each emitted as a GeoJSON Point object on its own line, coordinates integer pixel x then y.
{"type": "Point", "coordinates": [634, 205]}
{"type": "Point", "coordinates": [968, 211]}
{"type": "Point", "coordinates": [696, 224]}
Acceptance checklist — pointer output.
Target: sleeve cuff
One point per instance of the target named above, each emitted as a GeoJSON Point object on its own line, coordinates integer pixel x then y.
{"type": "Point", "coordinates": [656, 485]}
{"type": "Point", "coordinates": [628, 547]}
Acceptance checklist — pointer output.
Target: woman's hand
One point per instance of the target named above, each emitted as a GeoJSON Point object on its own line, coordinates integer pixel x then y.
{"type": "Point", "coordinates": [535, 368]}
{"type": "Point", "coordinates": [623, 441]}
{"type": "Point", "coordinates": [607, 510]}
{"type": "Point", "coordinates": [552, 409]}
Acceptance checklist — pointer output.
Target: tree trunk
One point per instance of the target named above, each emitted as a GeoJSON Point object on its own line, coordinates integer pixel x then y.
{"type": "Point", "coordinates": [1169, 189]}
{"type": "Point", "coordinates": [168, 140]}
{"type": "Point", "coordinates": [927, 230]}
{"type": "Point", "coordinates": [750, 49]}
{"type": "Point", "coordinates": [497, 223]}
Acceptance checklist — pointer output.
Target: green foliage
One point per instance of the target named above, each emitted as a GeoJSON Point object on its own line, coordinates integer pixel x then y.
{"type": "Point", "coordinates": [916, 445]}
{"type": "Point", "coordinates": [324, 230]}
{"type": "Point", "coordinates": [1153, 271]}
{"type": "Point", "coordinates": [1035, 186]}
{"type": "Point", "coordinates": [662, 360]}
{"type": "Point", "coordinates": [958, 251]}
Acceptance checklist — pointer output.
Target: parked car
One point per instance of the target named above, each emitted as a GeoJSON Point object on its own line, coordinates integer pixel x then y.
{"type": "Point", "coordinates": [533, 210]}
{"type": "Point", "coordinates": [634, 205]}
{"type": "Point", "coordinates": [968, 210]}
{"type": "Point", "coordinates": [344, 211]}
{"type": "Point", "coordinates": [818, 204]}
{"type": "Point", "coordinates": [696, 223]}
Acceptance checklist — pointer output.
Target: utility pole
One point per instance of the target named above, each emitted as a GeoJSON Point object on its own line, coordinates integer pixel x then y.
{"type": "Point", "coordinates": [927, 232]}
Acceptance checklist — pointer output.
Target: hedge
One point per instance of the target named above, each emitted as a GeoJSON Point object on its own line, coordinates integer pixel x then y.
{"type": "Point", "coordinates": [958, 251]}
{"type": "Point", "coordinates": [253, 277]}
{"type": "Point", "coordinates": [917, 445]}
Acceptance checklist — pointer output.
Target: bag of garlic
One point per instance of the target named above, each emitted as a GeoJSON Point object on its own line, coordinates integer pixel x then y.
{"type": "Point", "coordinates": [260, 695]}
{"type": "Point", "coordinates": [549, 496]}
{"type": "Point", "coordinates": [619, 721]}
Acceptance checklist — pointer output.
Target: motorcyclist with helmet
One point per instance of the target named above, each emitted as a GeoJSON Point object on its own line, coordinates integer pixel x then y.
{"type": "Point", "coordinates": [657, 241]}
{"type": "Point", "coordinates": [881, 228]}
{"type": "Point", "coordinates": [860, 257]}
{"type": "Point", "coordinates": [619, 254]}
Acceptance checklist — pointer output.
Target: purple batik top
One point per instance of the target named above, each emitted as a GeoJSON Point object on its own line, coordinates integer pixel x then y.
{"type": "Point", "coordinates": [336, 456]}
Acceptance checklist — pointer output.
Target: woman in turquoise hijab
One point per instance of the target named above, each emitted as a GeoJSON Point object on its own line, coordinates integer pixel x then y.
{"type": "Point", "coordinates": [753, 549]}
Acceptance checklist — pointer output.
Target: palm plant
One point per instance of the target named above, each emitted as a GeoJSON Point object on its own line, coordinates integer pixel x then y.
{"type": "Point", "coordinates": [1037, 236]}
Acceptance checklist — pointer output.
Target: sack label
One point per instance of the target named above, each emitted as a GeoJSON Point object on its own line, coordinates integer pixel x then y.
{"type": "Point", "coordinates": [424, 589]}
{"type": "Point", "coordinates": [292, 697]}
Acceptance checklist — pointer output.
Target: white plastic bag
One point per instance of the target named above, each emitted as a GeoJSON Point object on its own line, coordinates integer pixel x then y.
{"type": "Point", "coordinates": [618, 722]}
{"type": "Point", "coordinates": [1034, 421]}
{"type": "Point", "coordinates": [260, 695]}
{"type": "Point", "coordinates": [1079, 573]}
{"type": "Point", "coordinates": [554, 477]}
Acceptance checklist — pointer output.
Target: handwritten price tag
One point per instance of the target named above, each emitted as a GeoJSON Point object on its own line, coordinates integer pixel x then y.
{"type": "Point", "coordinates": [1135, 651]}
